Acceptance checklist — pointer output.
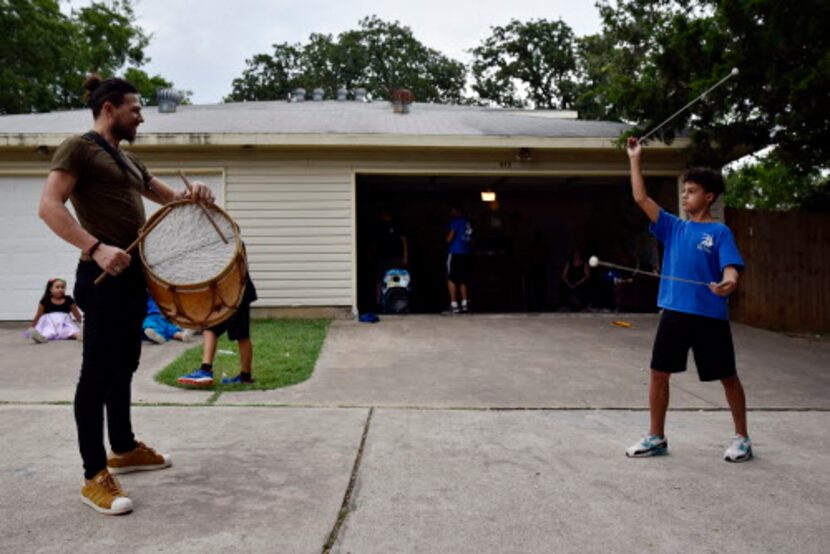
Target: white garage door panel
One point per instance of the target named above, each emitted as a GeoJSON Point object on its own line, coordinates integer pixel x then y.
{"type": "Point", "coordinates": [30, 253]}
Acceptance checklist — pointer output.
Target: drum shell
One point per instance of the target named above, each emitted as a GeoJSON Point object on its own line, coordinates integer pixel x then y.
{"type": "Point", "coordinates": [205, 304]}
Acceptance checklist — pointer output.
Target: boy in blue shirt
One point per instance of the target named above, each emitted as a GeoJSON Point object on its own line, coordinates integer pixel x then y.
{"type": "Point", "coordinates": [695, 317]}
{"type": "Point", "coordinates": [459, 239]}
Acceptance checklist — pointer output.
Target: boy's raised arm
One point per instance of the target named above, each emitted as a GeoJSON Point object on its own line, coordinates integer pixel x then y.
{"type": "Point", "coordinates": [638, 186]}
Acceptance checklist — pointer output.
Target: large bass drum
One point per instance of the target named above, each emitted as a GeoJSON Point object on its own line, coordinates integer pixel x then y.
{"type": "Point", "coordinates": [196, 278]}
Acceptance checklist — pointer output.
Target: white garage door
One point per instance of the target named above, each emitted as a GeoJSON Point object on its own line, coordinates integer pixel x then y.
{"type": "Point", "coordinates": [30, 254]}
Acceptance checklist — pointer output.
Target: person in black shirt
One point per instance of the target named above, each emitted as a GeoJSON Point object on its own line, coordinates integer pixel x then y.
{"type": "Point", "coordinates": [54, 317]}
{"type": "Point", "coordinates": [575, 276]}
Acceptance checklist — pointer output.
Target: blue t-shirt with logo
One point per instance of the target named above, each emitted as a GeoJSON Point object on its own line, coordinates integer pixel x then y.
{"type": "Point", "coordinates": [696, 251]}
{"type": "Point", "coordinates": [462, 240]}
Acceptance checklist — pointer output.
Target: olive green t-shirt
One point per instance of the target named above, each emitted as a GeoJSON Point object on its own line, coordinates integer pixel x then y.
{"type": "Point", "coordinates": [107, 199]}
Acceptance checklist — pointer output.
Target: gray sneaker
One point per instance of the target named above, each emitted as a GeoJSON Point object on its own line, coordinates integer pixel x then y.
{"type": "Point", "coordinates": [650, 445]}
{"type": "Point", "coordinates": [35, 335]}
{"type": "Point", "coordinates": [153, 335]}
{"type": "Point", "coordinates": [740, 450]}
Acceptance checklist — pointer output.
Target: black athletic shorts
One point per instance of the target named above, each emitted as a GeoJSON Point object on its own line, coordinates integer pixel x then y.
{"type": "Point", "coordinates": [709, 338]}
{"type": "Point", "coordinates": [458, 268]}
{"type": "Point", "coordinates": [238, 325]}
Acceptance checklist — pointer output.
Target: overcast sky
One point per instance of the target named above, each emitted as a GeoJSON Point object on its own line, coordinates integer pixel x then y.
{"type": "Point", "coordinates": [202, 46]}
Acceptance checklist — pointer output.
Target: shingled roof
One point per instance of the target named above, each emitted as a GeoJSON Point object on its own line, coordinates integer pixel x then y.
{"type": "Point", "coordinates": [331, 122]}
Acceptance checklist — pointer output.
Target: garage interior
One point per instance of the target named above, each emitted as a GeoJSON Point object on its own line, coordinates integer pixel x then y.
{"type": "Point", "coordinates": [521, 241]}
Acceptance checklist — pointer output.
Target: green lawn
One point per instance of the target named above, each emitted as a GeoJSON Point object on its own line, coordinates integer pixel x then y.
{"type": "Point", "coordinates": [285, 351]}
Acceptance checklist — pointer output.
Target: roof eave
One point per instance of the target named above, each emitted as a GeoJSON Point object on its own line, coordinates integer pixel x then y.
{"type": "Point", "coordinates": [322, 140]}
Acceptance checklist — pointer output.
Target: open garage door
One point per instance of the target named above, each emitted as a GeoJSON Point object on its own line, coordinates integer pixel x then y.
{"type": "Point", "coordinates": [522, 239]}
{"type": "Point", "coordinates": [31, 254]}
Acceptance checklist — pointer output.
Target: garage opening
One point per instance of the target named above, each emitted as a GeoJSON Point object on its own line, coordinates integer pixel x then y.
{"type": "Point", "coordinates": [524, 231]}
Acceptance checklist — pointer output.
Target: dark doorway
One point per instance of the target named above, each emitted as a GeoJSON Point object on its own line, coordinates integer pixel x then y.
{"type": "Point", "coordinates": [521, 241]}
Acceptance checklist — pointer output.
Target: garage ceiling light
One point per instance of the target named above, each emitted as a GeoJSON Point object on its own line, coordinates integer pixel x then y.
{"type": "Point", "coordinates": [488, 196]}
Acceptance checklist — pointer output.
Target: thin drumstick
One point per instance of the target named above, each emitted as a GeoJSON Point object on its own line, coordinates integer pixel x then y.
{"type": "Point", "coordinates": [202, 206]}
{"type": "Point", "coordinates": [141, 235]}
{"type": "Point", "coordinates": [595, 262]}
{"type": "Point", "coordinates": [684, 108]}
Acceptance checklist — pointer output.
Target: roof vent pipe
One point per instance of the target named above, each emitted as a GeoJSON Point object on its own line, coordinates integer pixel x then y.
{"type": "Point", "coordinates": [168, 99]}
{"type": "Point", "coordinates": [360, 94]}
{"type": "Point", "coordinates": [318, 94]}
{"type": "Point", "coordinates": [298, 95]}
{"type": "Point", "coordinates": [402, 100]}
{"type": "Point", "coordinates": [342, 94]}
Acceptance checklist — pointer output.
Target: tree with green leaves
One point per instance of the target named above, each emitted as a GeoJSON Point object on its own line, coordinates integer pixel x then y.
{"type": "Point", "coordinates": [379, 56]}
{"type": "Point", "coordinates": [526, 64]}
{"type": "Point", "coordinates": [396, 59]}
{"type": "Point", "coordinates": [109, 36]}
{"type": "Point", "coordinates": [269, 77]}
{"type": "Point", "coordinates": [654, 56]}
{"type": "Point", "coordinates": [45, 55]}
{"type": "Point", "coordinates": [769, 184]}
{"type": "Point", "coordinates": [37, 47]}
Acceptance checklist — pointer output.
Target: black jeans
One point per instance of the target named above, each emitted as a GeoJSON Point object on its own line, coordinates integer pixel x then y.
{"type": "Point", "coordinates": [113, 313]}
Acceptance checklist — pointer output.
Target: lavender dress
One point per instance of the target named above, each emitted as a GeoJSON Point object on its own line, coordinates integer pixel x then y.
{"type": "Point", "coordinates": [56, 323]}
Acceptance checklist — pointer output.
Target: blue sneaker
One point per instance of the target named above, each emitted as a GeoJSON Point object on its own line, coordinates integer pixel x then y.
{"type": "Point", "coordinates": [238, 380]}
{"type": "Point", "coordinates": [650, 445]}
{"type": "Point", "coordinates": [198, 378]}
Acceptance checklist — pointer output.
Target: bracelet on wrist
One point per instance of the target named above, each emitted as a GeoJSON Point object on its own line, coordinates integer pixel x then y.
{"type": "Point", "coordinates": [93, 248]}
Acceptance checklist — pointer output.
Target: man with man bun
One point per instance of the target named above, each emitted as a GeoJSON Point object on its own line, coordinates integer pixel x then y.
{"type": "Point", "coordinates": [105, 185]}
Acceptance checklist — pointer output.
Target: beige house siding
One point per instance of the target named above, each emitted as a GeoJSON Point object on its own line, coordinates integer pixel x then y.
{"type": "Point", "coordinates": [297, 223]}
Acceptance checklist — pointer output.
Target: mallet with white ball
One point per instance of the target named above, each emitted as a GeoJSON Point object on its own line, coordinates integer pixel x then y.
{"type": "Point", "coordinates": [684, 108]}
{"type": "Point", "coordinates": [593, 261]}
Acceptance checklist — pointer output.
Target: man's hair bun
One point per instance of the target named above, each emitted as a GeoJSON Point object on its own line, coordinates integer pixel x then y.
{"type": "Point", "coordinates": [92, 82]}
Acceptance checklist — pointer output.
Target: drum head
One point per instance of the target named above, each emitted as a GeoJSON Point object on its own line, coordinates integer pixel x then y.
{"type": "Point", "coordinates": [184, 248]}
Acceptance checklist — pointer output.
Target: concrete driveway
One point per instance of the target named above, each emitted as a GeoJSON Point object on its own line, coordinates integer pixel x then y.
{"type": "Point", "coordinates": [436, 434]}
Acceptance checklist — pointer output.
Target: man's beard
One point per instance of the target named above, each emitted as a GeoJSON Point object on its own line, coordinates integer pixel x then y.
{"type": "Point", "coordinates": [121, 132]}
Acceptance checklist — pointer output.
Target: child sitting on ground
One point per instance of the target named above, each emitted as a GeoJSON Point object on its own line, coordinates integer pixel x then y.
{"type": "Point", "coordinates": [54, 317]}
{"type": "Point", "coordinates": [158, 329]}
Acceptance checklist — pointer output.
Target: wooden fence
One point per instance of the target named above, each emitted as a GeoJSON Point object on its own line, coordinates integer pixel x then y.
{"type": "Point", "coordinates": [786, 285]}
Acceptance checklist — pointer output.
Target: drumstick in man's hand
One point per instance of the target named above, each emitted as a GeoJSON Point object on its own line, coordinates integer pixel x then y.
{"type": "Point", "coordinates": [141, 235]}
{"type": "Point", "coordinates": [202, 206]}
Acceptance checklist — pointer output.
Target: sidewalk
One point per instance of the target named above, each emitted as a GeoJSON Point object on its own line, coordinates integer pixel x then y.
{"type": "Point", "coordinates": [479, 434]}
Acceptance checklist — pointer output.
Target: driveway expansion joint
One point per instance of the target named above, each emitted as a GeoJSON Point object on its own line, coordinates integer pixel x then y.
{"type": "Point", "coordinates": [343, 513]}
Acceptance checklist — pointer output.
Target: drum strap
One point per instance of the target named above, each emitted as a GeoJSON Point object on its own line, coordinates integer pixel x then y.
{"type": "Point", "coordinates": [116, 155]}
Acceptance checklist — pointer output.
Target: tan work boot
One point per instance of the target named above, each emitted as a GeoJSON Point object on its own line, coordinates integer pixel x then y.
{"type": "Point", "coordinates": [103, 493]}
{"type": "Point", "coordinates": [141, 458]}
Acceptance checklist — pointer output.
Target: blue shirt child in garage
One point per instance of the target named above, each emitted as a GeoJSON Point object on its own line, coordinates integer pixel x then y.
{"type": "Point", "coordinates": [460, 246]}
